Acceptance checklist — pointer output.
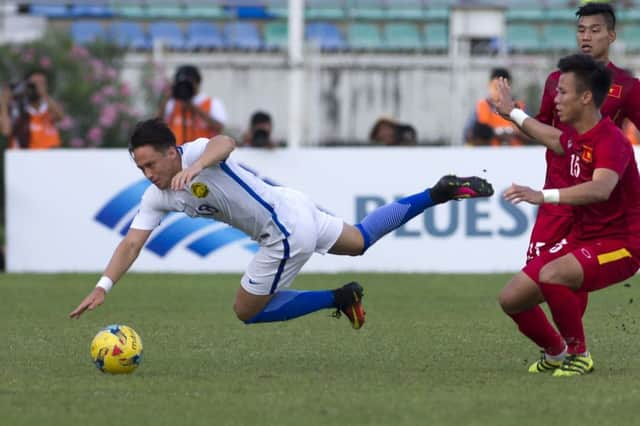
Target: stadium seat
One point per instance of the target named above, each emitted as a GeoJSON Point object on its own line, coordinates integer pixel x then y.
{"type": "Point", "coordinates": [523, 38]}
{"type": "Point", "coordinates": [437, 37]}
{"type": "Point", "coordinates": [131, 11]}
{"type": "Point", "coordinates": [405, 10]}
{"type": "Point", "coordinates": [324, 9]}
{"type": "Point", "coordinates": [630, 36]}
{"type": "Point", "coordinates": [525, 14]}
{"type": "Point", "coordinates": [242, 35]}
{"type": "Point", "coordinates": [169, 32]}
{"type": "Point", "coordinates": [203, 35]}
{"type": "Point", "coordinates": [278, 9]}
{"type": "Point", "coordinates": [559, 36]}
{"type": "Point", "coordinates": [86, 31]}
{"type": "Point", "coordinates": [402, 36]}
{"type": "Point", "coordinates": [561, 14]}
{"type": "Point", "coordinates": [325, 35]}
{"type": "Point", "coordinates": [129, 34]}
{"type": "Point", "coordinates": [276, 35]}
{"type": "Point", "coordinates": [436, 13]}
{"type": "Point", "coordinates": [161, 11]}
{"type": "Point", "coordinates": [364, 36]}
{"type": "Point", "coordinates": [629, 15]}
{"type": "Point", "coordinates": [204, 11]}
{"type": "Point", "coordinates": [367, 9]}
{"type": "Point", "coordinates": [51, 10]}
{"type": "Point", "coordinates": [91, 11]}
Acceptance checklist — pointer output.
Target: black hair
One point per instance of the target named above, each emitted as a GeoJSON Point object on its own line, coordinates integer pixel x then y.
{"type": "Point", "coordinates": [260, 117]}
{"type": "Point", "coordinates": [590, 75]}
{"type": "Point", "coordinates": [500, 72]}
{"type": "Point", "coordinates": [604, 9]}
{"type": "Point", "coordinates": [189, 72]}
{"type": "Point", "coordinates": [154, 132]}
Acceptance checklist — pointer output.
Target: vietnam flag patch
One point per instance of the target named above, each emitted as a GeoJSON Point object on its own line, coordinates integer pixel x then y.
{"type": "Point", "coordinates": [587, 154]}
{"type": "Point", "coordinates": [615, 90]}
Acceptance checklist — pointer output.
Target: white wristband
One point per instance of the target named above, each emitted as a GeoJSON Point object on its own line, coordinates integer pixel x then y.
{"type": "Point", "coordinates": [551, 196]}
{"type": "Point", "coordinates": [518, 116]}
{"type": "Point", "coordinates": [105, 283]}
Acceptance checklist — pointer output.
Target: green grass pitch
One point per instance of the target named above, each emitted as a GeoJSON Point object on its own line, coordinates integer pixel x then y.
{"type": "Point", "coordinates": [435, 350]}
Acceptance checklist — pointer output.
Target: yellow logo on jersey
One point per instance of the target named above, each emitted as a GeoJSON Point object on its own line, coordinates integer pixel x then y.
{"type": "Point", "coordinates": [199, 189]}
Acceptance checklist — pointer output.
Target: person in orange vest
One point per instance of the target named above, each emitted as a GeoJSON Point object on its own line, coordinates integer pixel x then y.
{"type": "Point", "coordinates": [189, 113]}
{"type": "Point", "coordinates": [631, 132]}
{"type": "Point", "coordinates": [28, 114]}
{"type": "Point", "coordinates": [485, 126]}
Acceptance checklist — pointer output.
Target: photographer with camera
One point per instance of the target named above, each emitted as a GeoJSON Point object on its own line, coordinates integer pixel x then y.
{"type": "Point", "coordinates": [28, 114]}
{"type": "Point", "coordinates": [259, 133]}
{"type": "Point", "coordinates": [189, 113]}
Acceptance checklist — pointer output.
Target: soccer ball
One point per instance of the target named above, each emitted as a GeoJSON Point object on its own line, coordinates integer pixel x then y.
{"type": "Point", "coordinates": [116, 349]}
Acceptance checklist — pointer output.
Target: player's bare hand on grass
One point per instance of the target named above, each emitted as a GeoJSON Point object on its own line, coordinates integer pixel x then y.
{"type": "Point", "coordinates": [505, 103]}
{"type": "Point", "coordinates": [92, 301]}
{"type": "Point", "coordinates": [180, 180]}
{"type": "Point", "coordinates": [518, 193]}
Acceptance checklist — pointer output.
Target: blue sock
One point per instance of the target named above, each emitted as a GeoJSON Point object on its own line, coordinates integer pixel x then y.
{"type": "Point", "coordinates": [289, 304]}
{"type": "Point", "coordinates": [391, 216]}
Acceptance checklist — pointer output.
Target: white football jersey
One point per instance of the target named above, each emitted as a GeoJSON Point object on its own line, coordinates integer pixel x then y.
{"type": "Point", "coordinates": [225, 192]}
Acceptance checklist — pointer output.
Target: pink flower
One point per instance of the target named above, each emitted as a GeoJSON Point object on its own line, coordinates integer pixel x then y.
{"type": "Point", "coordinates": [76, 143]}
{"type": "Point", "coordinates": [109, 90]}
{"type": "Point", "coordinates": [111, 73]}
{"type": "Point", "coordinates": [97, 98]}
{"type": "Point", "coordinates": [45, 62]}
{"type": "Point", "coordinates": [98, 67]}
{"type": "Point", "coordinates": [79, 52]}
{"type": "Point", "coordinates": [94, 136]}
{"type": "Point", "coordinates": [108, 115]}
{"type": "Point", "coordinates": [125, 90]}
{"type": "Point", "coordinates": [66, 123]}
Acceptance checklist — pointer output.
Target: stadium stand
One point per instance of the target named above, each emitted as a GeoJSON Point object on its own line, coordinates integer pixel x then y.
{"type": "Point", "coordinates": [242, 36]}
{"type": "Point", "coordinates": [402, 36]}
{"type": "Point", "coordinates": [364, 36]}
{"type": "Point", "coordinates": [203, 35]}
{"type": "Point", "coordinates": [129, 34]}
{"type": "Point", "coordinates": [325, 35]}
{"type": "Point", "coordinates": [533, 26]}
{"type": "Point", "coordinates": [169, 33]}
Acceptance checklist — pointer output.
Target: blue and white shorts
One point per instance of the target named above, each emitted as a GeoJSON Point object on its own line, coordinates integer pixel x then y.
{"type": "Point", "coordinates": [275, 266]}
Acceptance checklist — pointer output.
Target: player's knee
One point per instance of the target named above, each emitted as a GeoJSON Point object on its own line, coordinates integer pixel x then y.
{"type": "Point", "coordinates": [242, 313]}
{"type": "Point", "coordinates": [507, 300]}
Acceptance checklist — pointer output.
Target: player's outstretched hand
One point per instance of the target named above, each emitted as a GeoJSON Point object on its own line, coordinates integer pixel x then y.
{"type": "Point", "coordinates": [517, 193]}
{"type": "Point", "coordinates": [505, 102]}
{"type": "Point", "coordinates": [183, 177]}
{"type": "Point", "coordinates": [92, 301]}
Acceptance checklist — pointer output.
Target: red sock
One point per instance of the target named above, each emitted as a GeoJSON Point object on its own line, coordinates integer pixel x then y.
{"type": "Point", "coordinates": [567, 308]}
{"type": "Point", "coordinates": [534, 324]}
{"type": "Point", "coordinates": [584, 299]}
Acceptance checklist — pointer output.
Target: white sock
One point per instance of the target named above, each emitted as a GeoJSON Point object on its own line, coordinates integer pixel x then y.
{"type": "Point", "coordinates": [558, 357]}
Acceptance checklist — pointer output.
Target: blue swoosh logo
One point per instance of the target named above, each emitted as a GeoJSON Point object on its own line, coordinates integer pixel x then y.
{"type": "Point", "coordinates": [127, 201]}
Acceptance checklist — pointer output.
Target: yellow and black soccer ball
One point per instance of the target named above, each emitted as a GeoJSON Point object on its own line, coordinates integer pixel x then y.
{"type": "Point", "coordinates": [116, 349]}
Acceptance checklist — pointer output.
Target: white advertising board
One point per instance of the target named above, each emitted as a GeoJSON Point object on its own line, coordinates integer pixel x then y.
{"type": "Point", "coordinates": [66, 210]}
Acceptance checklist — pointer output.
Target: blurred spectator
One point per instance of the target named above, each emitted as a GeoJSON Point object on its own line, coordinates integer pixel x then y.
{"type": "Point", "coordinates": [189, 113]}
{"type": "Point", "coordinates": [631, 132]}
{"type": "Point", "coordinates": [387, 131]}
{"type": "Point", "coordinates": [485, 126]}
{"type": "Point", "coordinates": [28, 114]}
{"type": "Point", "coordinates": [258, 135]}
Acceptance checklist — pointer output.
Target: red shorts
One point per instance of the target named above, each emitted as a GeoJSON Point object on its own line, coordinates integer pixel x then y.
{"type": "Point", "coordinates": [604, 262]}
{"type": "Point", "coordinates": [548, 231]}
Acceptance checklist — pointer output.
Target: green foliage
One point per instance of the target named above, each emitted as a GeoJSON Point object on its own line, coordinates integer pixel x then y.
{"type": "Point", "coordinates": [436, 350]}
{"type": "Point", "coordinates": [85, 80]}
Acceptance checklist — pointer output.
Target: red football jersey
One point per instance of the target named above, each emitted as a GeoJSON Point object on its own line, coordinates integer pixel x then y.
{"type": "Point", "coordinates": [605, 146]}
{"type": "Point", "coordinates": [623, 101]}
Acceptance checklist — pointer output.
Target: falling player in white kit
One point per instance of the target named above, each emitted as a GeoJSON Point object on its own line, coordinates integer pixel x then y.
{"type": "Point", "coordinates": [200, 179]}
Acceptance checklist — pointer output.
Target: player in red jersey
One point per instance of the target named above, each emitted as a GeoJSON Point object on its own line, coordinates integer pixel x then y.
{"type": "Point", "coordinates": [604, 189]}
{"type": "Point", "coordinates": [595, 34]}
